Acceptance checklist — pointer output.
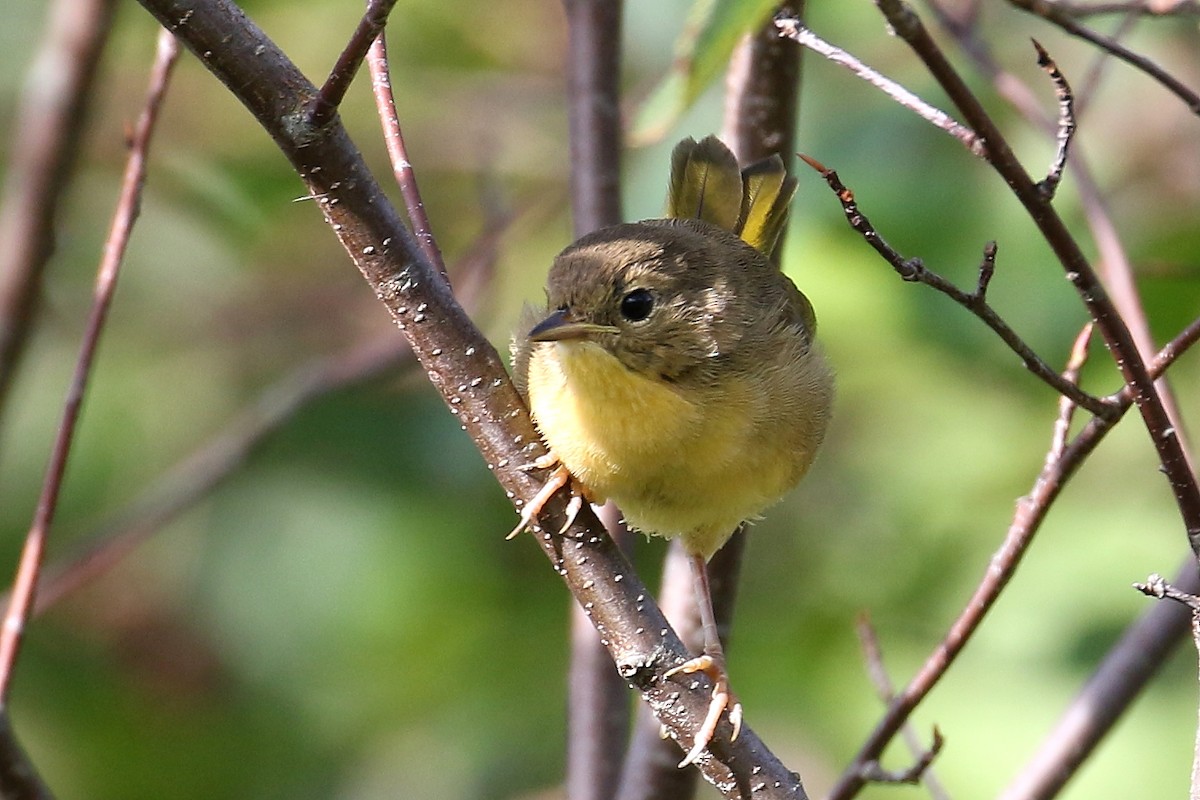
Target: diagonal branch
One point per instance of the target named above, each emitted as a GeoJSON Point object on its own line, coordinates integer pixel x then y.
{"type": "Point", "coordinates": [792, 28]}
{"type": "Point", "coordinates": [393, 138]}
{"type": "Point", "coordinates": [324, 105]}
{"type": "Point", "coordinates": [912, 269]}
{"type": "Point", "coordinates": [17, 614]}
{"type": "Point", "coordinates": [198, 474]}
{"type": "Point", "coordinates": [469, 374]}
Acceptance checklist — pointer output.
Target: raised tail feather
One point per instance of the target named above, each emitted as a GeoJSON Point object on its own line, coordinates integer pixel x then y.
{"type": "Point", "coordinates": [707, 184]}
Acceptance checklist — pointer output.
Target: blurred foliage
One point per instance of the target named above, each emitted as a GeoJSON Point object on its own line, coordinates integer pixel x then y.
{"type": "Point", "coordinates": [343, 618]}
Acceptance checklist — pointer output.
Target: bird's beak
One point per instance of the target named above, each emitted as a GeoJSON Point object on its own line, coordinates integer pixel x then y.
{"type": "Point", "coordinates": [561, 325]}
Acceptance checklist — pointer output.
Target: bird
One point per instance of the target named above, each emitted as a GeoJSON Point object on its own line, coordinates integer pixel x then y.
{"type": "Point", "coordinates": [674, 370]}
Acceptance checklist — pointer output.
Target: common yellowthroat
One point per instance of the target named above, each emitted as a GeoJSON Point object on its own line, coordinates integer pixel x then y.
{"type": "Point", "coordinates": [674, 371]}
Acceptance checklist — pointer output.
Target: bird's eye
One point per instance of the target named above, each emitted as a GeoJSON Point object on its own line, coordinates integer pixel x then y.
{"type": "Point", "coordinates": [637, 305]}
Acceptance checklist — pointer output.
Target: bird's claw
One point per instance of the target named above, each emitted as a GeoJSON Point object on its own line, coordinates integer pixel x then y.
{"type": "Point", "coordinates": [722, 699]}
{"type": "Point", "coordinates": [559, 478]}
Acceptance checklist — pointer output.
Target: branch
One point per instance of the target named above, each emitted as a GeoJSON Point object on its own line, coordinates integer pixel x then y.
{"type": "Point", "coordinates": [393, 138]}
{"type": "Point", "coordinates": [875, 773]}
{"type": "Point", "coordinates": [25, 584]}
{"type": "Point", "coordinates": [921, 768]}
{"type": "Point", "coordinates": [598, 703]}
{"type": "Point", "coordinates": [1051, 13]}
{"type": "Point", "coordinates": [324, 106]}
{"type": "Point", "coordinates": [1031, 512]}
{"type": "Point", "coordinates": [1116, 334]}
{"type": "Point", "coordinates": [762, 94]}
{"type": "Point", "coordinates": [469, 374]}
{"type": "Point", "coordinates": [913, 270]}
{"type": "Point", "coordinates": [594, 112]}
{"type": "Point", "coordinates": [201, 472]}
{"type": "Point", "coordinates": [1149, 8]}
{"type": "Point", "coordinates": [1066, 122]}
{"type": "Point", "coordinates": [49, 124]}
{"type": "Point", "coordinates": [795, 30]}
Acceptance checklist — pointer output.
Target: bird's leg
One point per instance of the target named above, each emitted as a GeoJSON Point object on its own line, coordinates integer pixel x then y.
{"type": "Point", "coordinates": [559, 478]}
{"type": "Point", "coordinates": [712, 664]}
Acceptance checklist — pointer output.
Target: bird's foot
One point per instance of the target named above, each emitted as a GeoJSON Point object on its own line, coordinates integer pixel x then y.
{"type": "Point", "coordinates": [722, 699]}
{"type": "Point", "coordinates": [559, 478]}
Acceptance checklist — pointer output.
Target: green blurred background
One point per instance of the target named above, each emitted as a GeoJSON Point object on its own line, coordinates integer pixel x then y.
{"type": "Point", "coordinates": [343, 618]}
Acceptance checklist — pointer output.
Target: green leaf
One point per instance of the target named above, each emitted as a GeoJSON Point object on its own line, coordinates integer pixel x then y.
{"type": "Point", "coordinates": [713, 28]}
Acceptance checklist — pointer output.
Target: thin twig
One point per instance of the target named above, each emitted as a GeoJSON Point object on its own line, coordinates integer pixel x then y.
{"type": "Point", "coordinates": [873, 655]}
{"type": "Point", "coordinates": [874, 772]}
{"type": "Point", "coordinates": [1066, 408]}
{"type": "Point", "coordinates": [393, 138]}
{"type": "Point", "coordinates": [324, 104]}
{"type": "Point", "coordinates": [913, 270]}
{"type": "Point", "coordinates": [1148, 8]}
{"type": "Point", "coordinates": [48, 125]}
{"type": "Point", "coordinates": [1066, 122]}
{"type": "Point", "coordinates": [126, 213]}
{"type": "Point", "coordinates": [1051, 13]}
{"type": "Point", "coordinates": [1031, 512]}
{"type": "Point", "coordinates": [1173, 349]}
{"type": "Point", "coordinates": [794, 29]}
{"type": "Point", "coordinates": [1156, 586]}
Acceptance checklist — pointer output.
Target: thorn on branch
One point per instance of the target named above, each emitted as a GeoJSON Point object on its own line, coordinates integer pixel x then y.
{"type": "Point", "coordinates": [1066, 122]}
{"type": "Point", "coordinates": [874, 772]}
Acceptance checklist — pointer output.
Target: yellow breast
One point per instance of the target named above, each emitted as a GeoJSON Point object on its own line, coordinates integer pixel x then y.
{"type": "Point", "coordinates": [677, 465]}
